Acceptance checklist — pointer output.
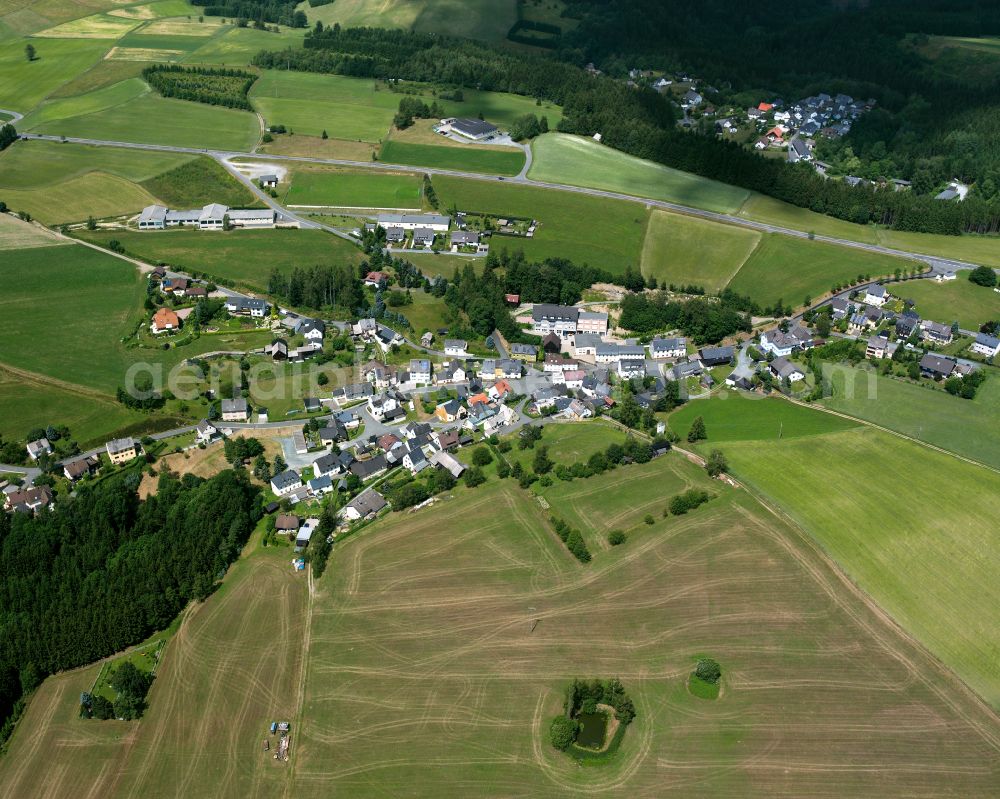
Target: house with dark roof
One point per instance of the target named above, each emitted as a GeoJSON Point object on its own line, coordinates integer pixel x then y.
{"type": "Point", "coordinates": [475, 129]}
{"type": "Point", "coordinates": [935, 332]}
{"type": "Point", "coordinates": [783, 369]}
{"type": "Point", "coordinates": [986, 345]}
{"type": "Point", "coordinates": [369, 468]}
{"type": "Point", "coordinates": [365, 504]}
{"type": "Point", "coordinates": [286, 482]}
{"type": "Point", "coordinates": [715, 356]}
{"type": "Point", "coordinates": [936, 367]}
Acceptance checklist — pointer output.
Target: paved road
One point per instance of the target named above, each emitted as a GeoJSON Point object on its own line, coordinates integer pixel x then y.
{"type": "Point", "coordinates": [14, 116]}
{"type": "Point", "coordinates": [937, 264]}
{"type": "Point", "coordinates": [29, 472]}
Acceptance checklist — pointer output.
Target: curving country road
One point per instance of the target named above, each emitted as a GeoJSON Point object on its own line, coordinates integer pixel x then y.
{"type": "Point", "coordinates": [937, 264]}
{"type": "Point", "coordinates": [14, 116]}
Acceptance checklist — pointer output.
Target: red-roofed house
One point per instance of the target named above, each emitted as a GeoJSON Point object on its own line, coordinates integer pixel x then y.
{"type": "Point", "coordinates": [164, 320]}
{"type": "Point", "coordinates": [500, 389]}
{"type": "Point", "coordinates": [765, 107]}
{"type": "Point", "coordinates": [513, 299]}
{"type": "Point", "coordinates": [374, 279]}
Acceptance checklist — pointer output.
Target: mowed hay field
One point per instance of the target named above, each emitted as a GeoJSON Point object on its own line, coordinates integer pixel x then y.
{"type": "Point", "coordinates": [596, 231]}
{"type": "Point", "coordinates": [241, 257]}
{"type": "Point", "coordinates": [791, 269]}
{"type": "Point", "coordinates": [23, 83]}
{"type": "Point", "coordinates": [16, 235]}
{"type": "Point", "coordinates": [684, 250]}
{"type": "Point", "coordinates": [353, 189]}
{"type": "Point", "coordinates": [467, 158]}
{"type": "Point", "coordinates": [561, 158]}
{"type": "Point", "coordinates": [428, 675]}
{"type": "Point", "coordinates": [913, 527]}
{"type": "Point", "coordinates": [232, 667]}
{"type": "Point", "coordinates": [477, 19]}
{"type": "Point", "coordinates": [957, 300]}
{"type": "Point", "coordinates": [966, 427]}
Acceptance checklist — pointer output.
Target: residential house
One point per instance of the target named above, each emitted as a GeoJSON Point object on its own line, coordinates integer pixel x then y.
{"type": "Point", "coordinates": [784, 369]}
{"type": "Point", "coordinates": [395, 235]}
{"type": "Point", "coordinates": [277, 350]}
{"type": "Point", "coordinates": [551, 342]}
{"type": "Point", "coordinates": [38, 448]}
{"type": "Point", "coordinates": [449, 411]}
{"type": "Point", "coordinates": [80, 467]}
{"type": "Point", "coordinates": [122, 450]}
{"type": "Point", "coordinates": [455, 347]}
{"type": "Point", "coordinates": [448, 462]}
{"type": "Point", "coordinates": [377, 279]}
{"type": "Point", "coordinates": [559, 319]}
{"type": "Point", "coordinates": [783, 344]}
{"type": "Point", "coordinates": [29, 500]}
{"type": "Point", "coordinates": [682, 371]}
{"type": "Point", "coordinates": [798, 150]}
{"type": "Point", "coordinates": [500, 390]}
{"type": "Point", "coordinates": [320, 486]}
{"type": "Point", "coordinates": [876, 295]}
{"type": "Point", "coordinates": [556, 364]}
{"type": "Point", "coordinates": [286, 482]}
{"type": "Point", "coordinates": [451, 372]}
{"type": "Point", "coordinates": [585, 345]}
{"type": "Point", "coordinates": [414, 459]}
{"type": "Point", "coordinates": [285, 523]}
{"type": "Point", "coordinates": [305, 532]}
{"type": "Point", "coordinates": [365, 504]}
{"type": "Point", "coordinates": [384, 405]}
{"type": "Point", "coordinates": [235, 410]}
{"type": "Point", "coordinates": [610, 353]}
{"type": "Point", "coordinates": [841, 307]}
{"type": "Point", "coordinates": [447, 439]}
{"type": "Point", "coordinates": [372, 467]}
{"type": "Point", "coordinates": [174, 285]}
{"type": "Point", "coordinates": [524, 352]}
{"type": "Point", "coordinates": [248, 306]}
{"type": "Point", "coordinates": [351, 420]}
{"type": "Point", "coordinates": [364, 328]}
{"type": "Point", "coordinates": [164, 320]}
{"type": "Point", "coordinates": [667, 348]}
{"type": "Point", "coordinates": [435, 222]}
{"type": "Point", "coordinates": [592, 322]}
{"type": "Point", "coordinates": [907, 323]}
{"type": "Point", "coordinates": [545, 397]}
{"type": "Point", "coordinates": [312, 330]}
{"type": "Point", "coordinates": [629, 369]}
{"type": "Point", "coordinates": [573, 378]}
{"type": "Point", "coordinates": [377, 373]}
{"type": "Point", "coordinates": [935, 332]}
{"type": "Point", "coordinates": [716, 356]}
{"type": "Point", "coordinates": [420, 371]}
{"type": "Point", "coordinates": [205, 431]}
{"type": "Point", "coordinates": [936, 366]}
{"type": "Point", "coordinates": [423, 237]}
{"type": "Point", "coordinates": [577, 409]}
{"type": "Point", "coordinates": [464, 238]}
{"type": "Point", "coordinates": [986, 345]}
{"type": "Point", "coordinates": [878, 347]}
{"type": "Point", "coordinates": [427, 339]}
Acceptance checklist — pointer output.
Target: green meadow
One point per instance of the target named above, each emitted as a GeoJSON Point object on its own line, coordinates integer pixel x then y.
{"type": "Point", "coordinates": [24, 84]}
{"type": "Point", "coordinates": [237, 46]}
{"type": "Point", "coordinates": [240, 257]}
{"type": "Point", "coordinates": [965, 427]}
{"type": "Point", "coordinates": [468, 158]}
{"type": "Point", "coordinates": [913, 527]}
{"type": "Point", "coordinates": [477, 19]}
{"type": "Point", "coordinates": [353, 189]}
{"type": "Point", "coordinates": [685, 250]}
{"type": "Point", "coordinates": [790, 269]}
{"type": "Point", "coordinates": [957, 300]}
{"type": "Point", "coordinates": [597, 231]}
{"type": "Point", "coordinates": [561, 158]}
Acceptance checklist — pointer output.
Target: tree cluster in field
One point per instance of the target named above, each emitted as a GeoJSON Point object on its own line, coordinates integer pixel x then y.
{"type": "Point", "coordinates": [688, 500]}
{"type": "Point", "coordinates": [411, 108]}
{"type": "Point", "coordinates": [130, 684]}
{"type": "Point", "coordinates": [260, 11]}
{"type": "Point", "coordinates": [8, 135]}
{"type": "Point", "coordinates": [631, 414]}
{"type": "Point", "coordinates": [707, 320]}
{"type": "Point", "coordinates": [238, 450]}
{"type": "Point", "coordinates": [573, 540]}
{"type": "Point", "coordinates": [583, 697]}
{"type": "Point", "coordinates": [142, 397]}
{"type": "Point", "coordinates": [210, 85]}
{"type": "Point", "coordinates": [708, 670]}
{"type": "Point", "coordinates": [981, 275]}
{"type": "Point", "coordinates": [103, 570]}
{"type": "Point", "coordinates": [412, 490]}
{"type": "Point", "coordinates": [631, 450]}
{"type": "Point", "coordinates": [640, 121]}
{"type": "Point", "coordinates": [319, 545]}
{"type": "Point", "coordinates": [965, 387]}
{"type": "Point", "coordinates": [328, 288]}
{"type": "Point", "coordinates": [528, 126]}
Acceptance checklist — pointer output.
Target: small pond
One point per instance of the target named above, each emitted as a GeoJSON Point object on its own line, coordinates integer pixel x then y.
{"type": "Point", "coordinates": [593, 727]}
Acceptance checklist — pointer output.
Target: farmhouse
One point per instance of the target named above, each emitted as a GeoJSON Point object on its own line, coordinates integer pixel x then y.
{"type": "Point", "coordinates": [667, 348]}
{"type": "Point", "coordinates": [986, 345]}
{"type": "Point", "coordinates": [122, 450]}
{"type": "Point", "coordinates": [164, 320]}
{"type": "Point", "coordinates": [235, 410]}
{"type": "Point", "coordinates": [436, 222]}
{"type": "Point", "coordinates": [364, 505]}
{"type": "Point", "coordinates": [475, 129]}
{"type": "Point", "coordinates": [559, 319]}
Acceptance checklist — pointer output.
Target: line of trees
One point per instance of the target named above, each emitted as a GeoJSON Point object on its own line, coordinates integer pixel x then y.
{"type": "Point", "coordinates": [103, 570]}
{"type": "Point", "coordinates": [8, 135]}
{"type": "Point", "coordinates": [280, 11]}
{"type": "Point", "coordinates": [707, 320]}
{"type": "Point", "coordinates": [326, 288]}
{"type": "Point", "coordinates": [210, 85]}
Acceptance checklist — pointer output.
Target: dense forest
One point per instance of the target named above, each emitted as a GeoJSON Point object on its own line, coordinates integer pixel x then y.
{"type": "Point", "coordinates": [280, 11]}
{"type": "Point", "coordinates": [777, 53]}
{"type": "Point", "coordinates": [328, 289]}
{"type": "Point", "coordinates": [103, 570]}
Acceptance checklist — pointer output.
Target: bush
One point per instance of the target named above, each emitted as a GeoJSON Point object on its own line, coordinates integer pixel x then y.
{"type": "Point", "coordinates": [649, 518]}
{"type": "Point", "coordinates": [983, 276]}
{"type": "Point", "coordinates": [562, 732]}
{"type": "Point", "coordinates": [576, 545]}
{"type": "Point", "coordinates": [617, 537]}
{"type": "Point", "coordinates": [708, 670]}
{"type": "Point", "coordinates": [481, 457]}
{"type": "Point", "coordinates": [689, 500]}
{"type": "Point", "coordinates": [716, 463]}
{"type": "Point", "coordinates": [474, 477]}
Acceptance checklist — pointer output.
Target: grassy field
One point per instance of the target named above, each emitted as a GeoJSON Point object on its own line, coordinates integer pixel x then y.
{"type": "Point", "coordinates": [567, 226]}
{"type": "Point", "coordinates": [149, 119]}
{"type": "Point", "coordinates": [470, 158]}
{"type": "Point", "coordinates": [469, 633]}
{"type": "Point", "coordinates": [83, 302]}
{"type": "Point", "coordinates": [16, 235]}
{"type": "Point", "coordinates": [685, 250]}
{"type": "Point", "coordinates": [912, 526]}
{"type": "Point", "coordinates": [477, 19]}
{"type": "Point", "coordinates": [237, 46]}
{"type": "Point", "coordinates": [243, 257]}
{"type": "Point", "coordinates": [966, 427]}
{"type": "Point", "coordinates": [426, 312]}
{"type": "Point", "coordinates": [733, 416]}
{"type": "Point", "coordinates": [957, 300]}
{"type": "Point", "coordinates": [96, 26]}
{"type": "Point", "coordinates": [353, 189]}
{"type": "Point", "coordinates": [789, 269]}
{"type": "Point", "coordinates": [561, 158]}
{"type": "Point", "coordinates": [233, 666]}
{"type": "Point", "coordinates": [68, 182]}
{"type": "Point", "coordinates": [24, 84]}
